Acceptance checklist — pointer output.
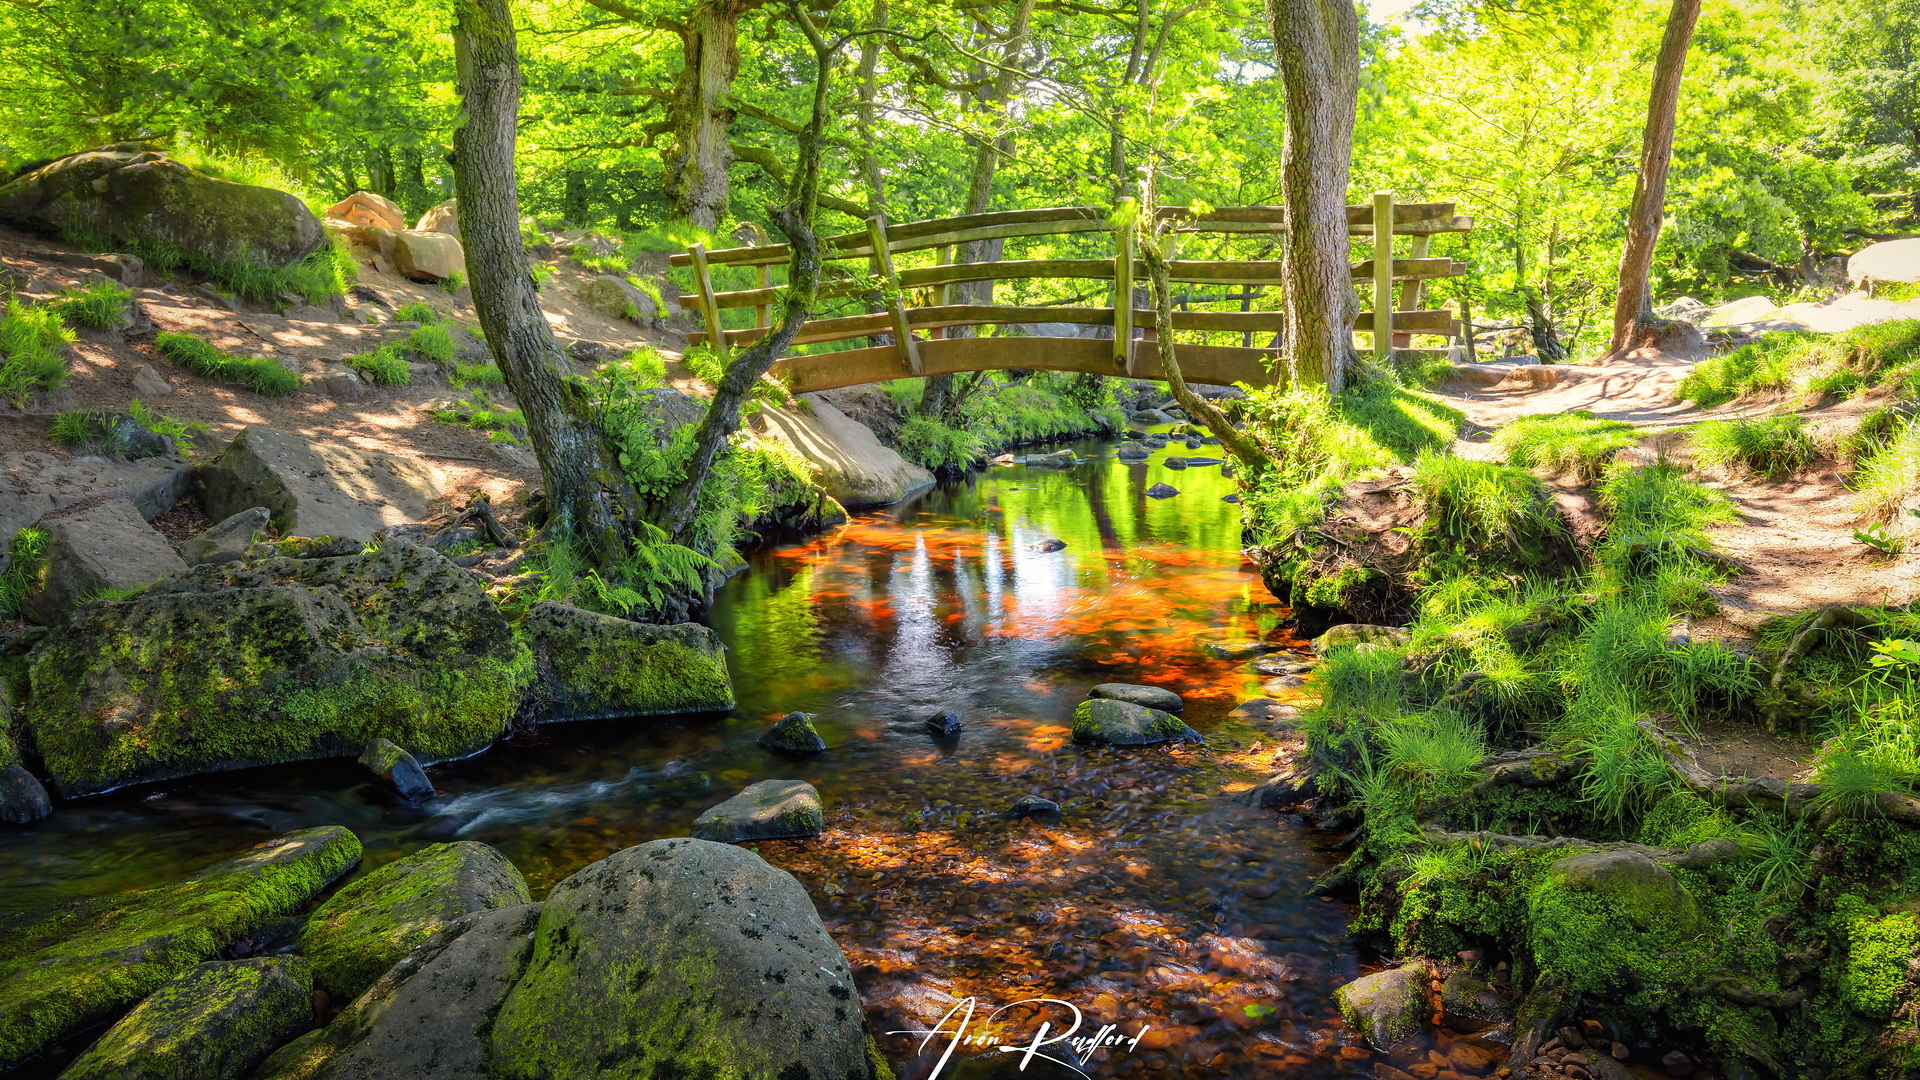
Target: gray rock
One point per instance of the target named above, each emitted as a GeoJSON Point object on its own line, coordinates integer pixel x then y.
{"type": "Point", "coordinates": [1197, 462]}
{"type": "Point", "coordinates": [128, 270]}
{"type": "Point", "coordinates": [945, 724]}
{"type": "Point", "coordinates": [1347, 635]}
{"type": "Point", "coordinates": [427, 1017]}
{"type": "Point", "coordinates": [1266, 714]}
{"type": "Point", "coordinates": [1133, 452]}
{"type": "Point", "coordinates": [1632, 883]}
{"type": "Point", "coordinates": [1387, 1007]}
{"type": "Point", "coordinates": [228, 540]}
{"type": "Point", "coordinates": [1230, 498]}
{"type": "Point", "coordinates": [1469, 1002]}
{"type": "Point", "coordinates": [1162, 491]}
{"type": "Point", "coordinates": [147, 383]}
{"type": "Point", "coordinates": [1174, 462]}
{"type": "Point", "coordinates": [396, 769]}
{"type": "Point", "coordinates": [315, 488]}
{"type": "Point", "coordinates": [105, 546]}
{"type": "Point", "coordinates": [213, 1021]}
{"type": "Point", "coordinates": [513, 456]}
{"type": "Point", "coordinates": [687, 957]}
{"type": "Point", "coordinates": [1237, 650]}
{"type": "Point", "coordinates": [1153, 697]}
{"type": "Point", "coordinates": [596, 666]}
{"type": "Point", "coordinates": [794, 734]}
{"type": "Point", "coordinates": [341, 383]}
{"type": "Point", "coordinates": [1888, 260]}
{"type": "Point", "coordinates": [591, 353]}
{"type": "Point", "coordinates": [1149, 416]}
{"type": "Point", "coordinates": [616, 298]}
{"type": "Point", "coordinates": [1056, 459]}
{"type": "Point", "coordinates": [1033, 806]}
{"type": "Point", "coordinates": [768, 810]}
{"type": "Point", "coordinates": [375, 920]}
{"type": "Point", "coordinates": [1283, 684]}
{"type": "Point", "coordinates": [23, 800]}
{"type": "Point", "coordinates": [1280, 665]}
{"type": "Point", "coordinates": [1051, 544]}
{"type": "Point", "coordinates": [1106, 722]}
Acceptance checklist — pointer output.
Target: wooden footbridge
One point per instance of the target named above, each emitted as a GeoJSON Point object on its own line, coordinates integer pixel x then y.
{"type": "Point", "coordinates": [918, 310]}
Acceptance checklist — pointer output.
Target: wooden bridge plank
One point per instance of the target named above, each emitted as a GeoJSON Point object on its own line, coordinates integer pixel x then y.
{"type": "Point", "coordinates": [1436, 321]}
{"type": "Point", "coordinates": [1213, 364]}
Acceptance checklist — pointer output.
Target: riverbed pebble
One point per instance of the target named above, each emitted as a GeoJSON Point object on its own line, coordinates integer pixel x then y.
{"type": "Point", "coordinates": [1033, 806]}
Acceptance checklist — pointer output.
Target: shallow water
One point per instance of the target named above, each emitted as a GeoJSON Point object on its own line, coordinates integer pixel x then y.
{"type": "Point", "coordinates": [1155, 899]}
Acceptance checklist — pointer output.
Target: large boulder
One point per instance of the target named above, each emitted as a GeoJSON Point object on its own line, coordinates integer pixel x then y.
{"type": "Point", "coordinates": [428, 256]}
{"type": "Point", "coordinates": [213, 1021]}
{"type": "Point", "coordinates": [768, 810]}
{"type": "Point", "coordinates": [846, 457]}
{"type": "Point", "coordinates": [444, 218]}
{"type": "Point", "coordinates": [594, 666]}
{"type": "Point", "coordinates": [67, 975]}
{"type": "Point", "coordinates": [1387, 1007]}
{"type": "Point", "coordinates": [274, 660]}
{"type": "Point", "coordinates": [367, 208]}
{"type": "Point", "coordinates": [316, 488]}
{"type": "Point", "coordinates": [427, 1018]}
{"type": "Point", "coordinates": [149, 200]}
{"type": "Point", "coordinates": [366, 927]}
{"type": "Point", "coordinates": [1107, 722]}
{"type": "Point", "coordinates": [685, 958]}
{"type": "Point", "coordinates": [1889, 260]}
{"type": "Point", "coordinates": [107, 546]}
{"type": "Point", "coordinates": [23, 800]}
{"type": "Point", "coordinates": [616, 298]}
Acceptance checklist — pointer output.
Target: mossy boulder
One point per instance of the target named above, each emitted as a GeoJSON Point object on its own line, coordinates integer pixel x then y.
{"type": "Point", "coordinates": [372, 922]}
{"type": "Point", "coordinates": [68, 972]}
{"type": "Point", "coordinates": [1352, 635]}
{"type": "Point", "coordinates": [429, 1015]}
{"type": "Point", "coordinates": [1106, 722]}
{"type": "Point", "coordinates": [1387, 1007]}
{"type": "Point", "coordinates": [593, 666]}
{"type": "Point", "coordinates": [682, 958]}
{"type": "Point", "coordinates": [768, 810]}
{"type": "Point", "coordinates": [1614, 923]}
{"type": "Point", "coordinates": [794, 734]}
{"type": "Point", "coordinates": [149, 200]}
{"type": "Point", "coordinates": [213, 1021]}
{"type": "Point", "coordinates": [274, 660]}
{"type": "Point", "coordinates": [1152, 697]}
{"type": "Point", "coordinates": [1632, 883]}
{"type": "Point", "coordinates": [396, 770]}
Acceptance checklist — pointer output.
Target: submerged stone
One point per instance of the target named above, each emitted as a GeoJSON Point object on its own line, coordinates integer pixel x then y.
{"type": "Point", "coordinates": [1050, 544]}
{"type": "Point", "coordinates": [945, 724]}
{"type": "Point", "coordinates": [1174, 462]}
{"type": "Point", "coordinates": [65, 975]}
{"type": "Point", "coordinates": [213, 1021]}
{"type": "Point", "coordinates": [371, 923]}
{"type": "Point", "coordinates": [1237, 650]}
{"type": "Point", "coordinates": [596, 666]}
{"type": "Point", "coordinates": [1153, 697]}
{"type": "Point", "coordinates": [397, 770]}
{"type": "Point", "coordinates": [1033, 806]}
{"type": "Point", "coordinates": [1387, 1007]}
{"type": "Point", "coordinates": [794, 734]}
{"type": "Point", "coordinates": [768, 810]}
{"type": "Point", "coordinates": [1162, 491]}
{"type": "Point", "coordinates": [1281, 665]}
{"type": "Point", "coordinates": [1106, 722]}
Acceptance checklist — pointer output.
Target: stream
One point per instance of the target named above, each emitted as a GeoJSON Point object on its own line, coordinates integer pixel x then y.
{"type": "Point", "coordinates": [1154, 898]}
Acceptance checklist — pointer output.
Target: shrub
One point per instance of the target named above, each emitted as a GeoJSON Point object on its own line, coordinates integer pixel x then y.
{"type": "Point", "coordinates": [33, 343]}
{"type": "Point", "coordinates": [1772, 447]}
{"type": "Point", "coordinates": [1571, 442]}
{"type": "Point", "coordinates": [454, 283]}
{"type": "Point", "coordinates": [101, 305]}
{"type": "Point", "coordinates": [263, 375]}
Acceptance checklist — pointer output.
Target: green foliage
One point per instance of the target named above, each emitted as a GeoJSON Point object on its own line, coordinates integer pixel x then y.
{"type": "Point", "coordinates": [486, 376]}
{"type": "Point", "coordinates": [386, 365]}
{"type": "Point", "coordinates": [258, 373]}
{"type": "Point", "coordinates": [181, 432]}
{"type": "Point", "coordinates": [1880, 354]}
{"type": "Point", "coordinates": [419, 311]}
{"type": "Point", "coordinates": [1889, 472]}
{"type": "Point", "coordinates": [316, 279]}
{"type": "Point", "coordinates": [101, 305]}
{"type": "Point", "coordinates": [75, 429]}
{"type": "Point", "coordinates": [1773, 447]}
{"type": "Point", "coordinates": [26, 554]}
{"type": "Point", "coordinates": [478, 411]}
{"type": "Point", "coordinates": [1878, 949]}
{"type": "Point", "coordinates": [1572, 442]}
{"type": "Point", "coordinates": [1477, 505]}
{"type": "Point", "coordinates": [454, 282]}
{"type": "Point", "coordinates": [704, 364]}
{"type": "Point", "coordinates": [931, 444]}
{"type": "Point", "coordinates": [33, 351]}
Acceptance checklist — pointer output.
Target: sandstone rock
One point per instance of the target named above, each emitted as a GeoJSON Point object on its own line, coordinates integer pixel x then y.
{"type": "Point", "coordinates": [1387, 1007]}
{"type": "Point", "coordinates": [599, 666]}
{"type": "Point", "coordinates": [104, 964]}
{"type": "Point", "coordinates": [845, 455]}
{"type": "Point", "coordinates": [616, 298]}
{"type": "Point", "coordinates": [145, 197]}
{"type": "Point", "coordinates": [428, 256]}
{"type": "Point", "coordinates": [375, 920]}
{"type": "Point", "coordinates": [1348, 635]}
{"type": "Point", "coordinates": [427, 1018]}
{"type": "Point", "coordinates": [367, 208]}
{"type": "Point", "coordinates": [794, 734]}
{"type": "Point", "coordinates": [397, 770]}
{"type": "Point", "coordinates": [1889, 260]}
{"type": "Point", "coordinates": [1744, 310]}
{"type": "Point", "coordinates": [105, 546]}
{"type": "Point", "coordinates": [444, 218]}
{"type": "Point", "coordinates": [682, 956]}
{"type": "Point", "coordinates": [213, 1021]}
{"type": "Point", "coordinates": [768, 810]}
{"type": "Point", "coordinates": [228, 540]}
{"type": "Point", "coordinates": [1152, 697]}
{"type": "Point", "coordinates": [316, 488]}
{"type": "Point", "coordinates": [147, 383]}
{"type": "Point", "coordinates": [1105, 722]}
{"type": "Point", "coordinates": [275, 660]}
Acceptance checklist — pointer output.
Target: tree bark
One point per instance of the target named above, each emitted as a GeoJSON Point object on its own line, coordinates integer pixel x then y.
{"type": "Point", "coordinates": [1633, 323]}
{"type": "Point", "coordinates": [591, 500]}
{"type": "Point", "coordinates": [1237, 442]}
{"type": "Point", "coordinates": [699, 150]}
{"type": "Point", "coordinates": [865, 114]}
{"type": "Point", "coordinates": [1318, 50]}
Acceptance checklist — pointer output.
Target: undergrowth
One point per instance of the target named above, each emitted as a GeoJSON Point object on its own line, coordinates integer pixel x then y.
{"type": "Point", "coordinates": [101, 306]}
{"type": "Point", "coordinates": [316, 279]}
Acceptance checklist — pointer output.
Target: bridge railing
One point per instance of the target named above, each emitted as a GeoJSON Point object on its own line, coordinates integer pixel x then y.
{"type": "Point", "coordinates": [1133, 348]}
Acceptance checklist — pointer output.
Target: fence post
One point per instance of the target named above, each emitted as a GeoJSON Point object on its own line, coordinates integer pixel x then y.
{"type": "Point", "coordinates": [761, 311]}
{"type": "Point", "coordinates": [709, 308]}
{"type": "Point", "coordinates": [1412, 288]}
{"type": "Point", "coordinates": [1383, 275]}
{"type": "Point", "coordinates": [903, 343]}
{"type": "Point", "coordinates": [1123, 297]}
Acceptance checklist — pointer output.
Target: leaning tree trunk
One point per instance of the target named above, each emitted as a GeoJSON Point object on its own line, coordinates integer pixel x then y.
{"type": "Point", "coordinates": [1633, 322]}
{"type": "Point", "coordinates": [1237, 442]}
{"type": "Point", "coordinates": [1318, 47]}
{"type": "Point", "coordinates": [699, 151]}
{"type": "Point", "coordinates": [590, 499]}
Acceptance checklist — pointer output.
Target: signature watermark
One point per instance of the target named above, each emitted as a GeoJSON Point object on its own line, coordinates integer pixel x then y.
{"type": "Point", "coordinates": [1056, 1039]}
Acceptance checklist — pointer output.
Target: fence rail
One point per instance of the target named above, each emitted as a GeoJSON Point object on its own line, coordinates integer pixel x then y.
{"type": "Point", "coordinates": [1133, 349]}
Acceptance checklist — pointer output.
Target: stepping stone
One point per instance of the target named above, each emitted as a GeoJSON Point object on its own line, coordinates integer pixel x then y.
{"type": "Point", "coordinates": [1281, 665]}
{"type": "Point", "coordinates": [1237, 650]}
{"type": "Point", "coordinates": [1152, 697]}
{"type": "Point", "coordinates": [794, 734]}
{"type": "Point", "coordinates": [768, 810]}
{"type": "Point", "coordinates": [1106, 722]}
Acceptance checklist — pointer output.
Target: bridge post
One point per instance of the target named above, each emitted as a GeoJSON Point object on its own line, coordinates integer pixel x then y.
{"type": "Point", "coordinates": [896, 306]}
{"type": "Point", "coordinates": [1383, 275]}
{"type": "Point", "coordinates": [1123, 297]}
{"type": "Point", "coordinates": [709, 308]}
{"type": "Point", "coordinates": [1411, 289]}
{"type": "Point", "coordinates": [942, 256]}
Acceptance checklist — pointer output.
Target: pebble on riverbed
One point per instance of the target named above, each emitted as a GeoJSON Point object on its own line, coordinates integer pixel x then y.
{"type": "Point", "coordinates": [1281, 665]}
{"type": "Point", "coordinates": [1033, 806]}
{"type": "Point", "coordinates": [794, 734]}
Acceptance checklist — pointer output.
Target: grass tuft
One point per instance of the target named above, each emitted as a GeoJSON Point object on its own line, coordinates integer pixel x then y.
{"type": "Point", "coordinates": [1773, 447]}
{"type": "Point", "coordinates": [260, 374]}
{"type": "Point", "coordinates": [1572, 442]}
{"type": "Point", "coordinates": [33, 351]}
{"type": "Point", "coordinates": [100, 306]}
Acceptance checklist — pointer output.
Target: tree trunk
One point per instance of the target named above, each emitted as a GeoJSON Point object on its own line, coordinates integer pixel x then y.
{"type": "Point", "coordinates": [1117, 134]}
{"type": "Point", "coordinates": [699, 152]}
{"type": "Point", "coordinates": [590, 497]}
{"type": "Point", "coordinates": [1318, 47]}
{"type": "Point", "coordinates": [1633, 322]}
{"type": "Point", "coordinates": [1237, 442]}
{"type": "Point", "coordinates": [864, 115]}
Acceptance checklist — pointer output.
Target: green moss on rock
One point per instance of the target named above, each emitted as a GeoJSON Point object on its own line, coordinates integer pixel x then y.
{"type": "Point", "coordinates": [1106, 722]}
{"type": "Point", "coordinates": [249, 663]}
{"type": "Point", "coordinates": [1879, 948]}
{"type": "Point", "coordinates": [213, 1021]}
{"type": "Point", "coordinates": [75, 972]}
{"type": "Point", "coordinates": [374, 921]}
{"type": "Point", "coordinates": [595, 665]}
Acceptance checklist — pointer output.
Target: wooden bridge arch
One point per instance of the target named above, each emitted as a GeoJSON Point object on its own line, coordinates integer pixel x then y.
{"type": "Point", "coordinates": [1131, 351]}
